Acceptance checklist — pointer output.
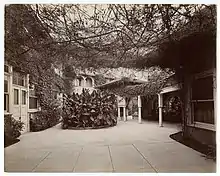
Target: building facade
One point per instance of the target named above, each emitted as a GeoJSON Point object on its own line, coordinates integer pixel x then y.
{"type": "Point", "coordinates": [83, 82]}
{"type": "Point", "coordinates": [201, 106]}
{"type": "Point", "coordinates": [19, 96]}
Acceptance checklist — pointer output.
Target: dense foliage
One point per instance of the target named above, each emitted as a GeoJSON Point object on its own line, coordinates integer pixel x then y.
{"type": "Point", "coordinates": [45, 119]}
{"type": "Point", "coordinates": [99, 79]}
{"type": "Point", "coordinates": [12, 128]}
{"type": "Point", "coordinates": [25, 50]}
{"type": "Point", "coordinates": [127, 87]}
{"type": "Point", "coordinates": [172, 108]}
{"type": "Point", "coordinates": [106, 35]}
{"type": "Point", "coordinates": [47, 86]}
{"type": "Point", "coordinates": [94, 110]}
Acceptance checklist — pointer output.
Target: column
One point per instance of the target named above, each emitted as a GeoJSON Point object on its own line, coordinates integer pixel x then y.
{"type": "Point", "coordinates": [160, 103]}
{"type": "Point", "coordinates": [84, 82]}
{"type": "Point", "coordinates": [139, 109]}
{"type": "Point", "coordinates": [93, 82]}
{"type": "Point", "coordinates": [11, 92]}
{"type": "Point", "coordinates": [119, 117]}
{"type": "Point", "coordinates": [124, 113]}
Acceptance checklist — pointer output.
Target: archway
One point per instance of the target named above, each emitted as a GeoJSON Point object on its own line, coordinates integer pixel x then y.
{"type": "Point", "coordinates": [89, 82]}
{"type": "Point", "coordinates": [80, 81]}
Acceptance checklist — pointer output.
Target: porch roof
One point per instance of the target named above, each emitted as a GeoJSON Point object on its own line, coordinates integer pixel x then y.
{"type": "Point", "coordinates": [125, 81]}
{"type": "Point", "coordinates": [127, 87]}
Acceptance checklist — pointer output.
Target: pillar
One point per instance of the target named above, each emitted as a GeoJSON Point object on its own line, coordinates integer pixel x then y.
{"type": "Point", "coordinates": [119, 117]}
{"type": "Point", "coordinates": [93, 82]}
{"type": "Point", "coordinates": [139, 109]}
{"type": "Point", "coordinates": [11, 92]}
{"type": "Point", "coordinates": [84, 82]}
{"type": "Point", "coordinates": [160, 103]}
{"type": "Point", "coordinates": [124, 113]}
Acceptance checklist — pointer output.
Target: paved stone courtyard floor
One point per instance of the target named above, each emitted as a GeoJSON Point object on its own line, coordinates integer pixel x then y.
{"type": "Point", "coordinates": [127, 147]}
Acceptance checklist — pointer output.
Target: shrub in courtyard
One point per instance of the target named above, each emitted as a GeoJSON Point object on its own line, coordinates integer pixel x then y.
{"type": "Point", "coordinates": [12, 128]}
{"type": "Point", "coordinates": [93, 110]}
{"type": "Point", "coordinates": [45, 119]}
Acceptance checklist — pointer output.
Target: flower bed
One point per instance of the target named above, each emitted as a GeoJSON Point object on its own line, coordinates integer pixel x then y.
{"type": "Point", "coordinates": [89, 111]}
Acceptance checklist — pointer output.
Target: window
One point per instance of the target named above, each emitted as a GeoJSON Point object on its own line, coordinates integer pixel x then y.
{"type": "Point", "coordinates": [6, 96]}
{"type": "Point", "coordinates": [16, 96]}
{"type": "Point", "coordinates": [202, 100]}
{"type": "Point", "coordinates": [24, 94]}
{"type": "Point", "coordinates": [204, 112]}
{"type": "Point", "coordinates": [6, 102]}
{"type": "Point", "coordinates": [19, 79]}
{"type": "Point", "coordinates": [6, 86]}
{"type": "Point", "coordinates": [15, 78]}
{"type": "Point", "coordinates": [32, 103]}
{"type": "Point", "coordinates": [202, 88]}
{"type": "Point", "coordinates": [6, 69]}
{"type": "Point", "coordinates": [32, 91]}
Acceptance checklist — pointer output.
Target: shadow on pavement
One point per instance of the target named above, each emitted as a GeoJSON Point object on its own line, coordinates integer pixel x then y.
{"type": "Point", "coordinates": [209, 151]}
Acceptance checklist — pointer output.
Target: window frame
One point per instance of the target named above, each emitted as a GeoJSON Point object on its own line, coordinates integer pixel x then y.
{"type": "Point", "coordinates": [17, 77]}
{"type": "Point", "coordinates": [198, 124]}
{"type": "Point", "coordinates": [18, 98]}
{"type": "Point", "coordinates": [7, 95]}
{"type": "Point", "coordinates": [6, 68]}
{"type": "Point", "coordinates": [25, 97]}
{"type": "Point", "coordinates": [32, 109]}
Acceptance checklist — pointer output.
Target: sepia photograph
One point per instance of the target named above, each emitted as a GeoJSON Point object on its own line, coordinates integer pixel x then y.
{"type": "Point", "coordinates": [110, 88]}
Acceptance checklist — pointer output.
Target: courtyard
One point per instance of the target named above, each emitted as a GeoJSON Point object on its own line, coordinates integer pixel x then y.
{"type": "Point", "coordinates": [126, 147]}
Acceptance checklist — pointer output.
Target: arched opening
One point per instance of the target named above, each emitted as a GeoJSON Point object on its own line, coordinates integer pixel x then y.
{"type": "Point", "coordinates": [88, 82]}
{"type": "Point", "coordinates": [80, 81]}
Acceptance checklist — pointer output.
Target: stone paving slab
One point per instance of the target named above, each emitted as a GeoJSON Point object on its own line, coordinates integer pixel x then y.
{"type": "Point", "coordinates": [94, 159]}
{"type": "Point", "coordinates": [63, 160]}
{"type": "Point", "coordinates": [125, 158]}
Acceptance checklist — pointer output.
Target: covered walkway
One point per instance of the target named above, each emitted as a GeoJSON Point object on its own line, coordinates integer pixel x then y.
{"type": "Point", "coordinates": [127, 87]}
{"type": "Point", "coordinates": [127, 147]}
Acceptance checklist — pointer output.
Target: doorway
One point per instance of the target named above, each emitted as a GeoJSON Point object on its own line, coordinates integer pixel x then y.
{"type": "Point", "coordinates": [20, 106]}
